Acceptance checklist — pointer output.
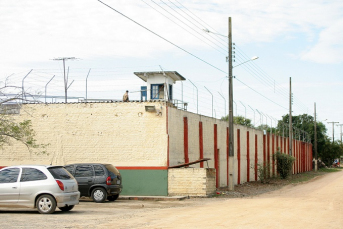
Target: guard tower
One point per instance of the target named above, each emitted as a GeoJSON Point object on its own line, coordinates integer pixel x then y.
{"type": "Point", "coordinates": [159, 84]}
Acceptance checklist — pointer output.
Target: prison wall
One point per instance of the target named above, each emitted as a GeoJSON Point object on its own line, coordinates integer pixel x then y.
{"type": "Point", "coordinates": [120, 133]}
{"type": "Point", "coordinates": [144, 143]}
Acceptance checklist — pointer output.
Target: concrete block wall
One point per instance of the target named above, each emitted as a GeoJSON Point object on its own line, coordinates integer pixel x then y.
{"type": "Point", "coordinates": [176, 145]}
{"type": "Point", "coordinates": [191, 181]}
{"type": "Point", "coordinates": [129, 137]}
{"type": "Point", "coordinates": [123, 134]}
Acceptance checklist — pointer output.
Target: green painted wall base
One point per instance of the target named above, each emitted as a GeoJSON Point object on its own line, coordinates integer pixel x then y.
{"type": "Point", "coordinates": [145, 182]}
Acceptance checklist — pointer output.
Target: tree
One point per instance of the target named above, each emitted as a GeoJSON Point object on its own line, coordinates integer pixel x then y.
{"type": "Point", "coordinates": [327, 150]}
{"type": "Point", "coordinates": [240, 120]}
{"type": "Point", "coordinates": [266, 128]}
{"type": "Point", "coordinates": [10, 129]}
{"type": "Point", "coordinates": [330, 151]}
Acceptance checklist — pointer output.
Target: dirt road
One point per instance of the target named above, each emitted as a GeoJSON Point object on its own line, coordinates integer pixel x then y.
{"type": "Point", "coordinates": [315, 204]}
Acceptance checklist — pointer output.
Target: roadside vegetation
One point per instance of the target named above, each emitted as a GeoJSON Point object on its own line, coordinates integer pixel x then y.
{"type": "Point", "coordinates": [272, 183]}
{"type": "Point", "coordinates": [12, 130]}
{"type": "Point", "coordinates": [303, 129]}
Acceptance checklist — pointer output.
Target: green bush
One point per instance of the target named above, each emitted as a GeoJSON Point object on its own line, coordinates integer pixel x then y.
{"type": "Point", "coordinates": [284, 164]}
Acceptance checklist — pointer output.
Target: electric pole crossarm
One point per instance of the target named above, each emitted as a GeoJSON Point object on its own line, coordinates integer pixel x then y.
{"type": "Point", "coordinates": [333, 130]}
{"type": "Point", "coordinates": [65, 76]}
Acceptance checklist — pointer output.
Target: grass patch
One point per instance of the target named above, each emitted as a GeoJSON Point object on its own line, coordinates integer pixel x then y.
{"type": "Point", "coordinates": [330, 170]}
{"type": "Point", "coordinates": [270, 184]}
{"type": "Point", "coordinates": [303, 177]}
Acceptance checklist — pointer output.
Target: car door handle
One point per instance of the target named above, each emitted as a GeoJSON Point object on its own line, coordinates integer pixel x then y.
{"type": "Point", "coordinates": [89, 180]}
{"type": "Point", "coordinates": [14, 187]}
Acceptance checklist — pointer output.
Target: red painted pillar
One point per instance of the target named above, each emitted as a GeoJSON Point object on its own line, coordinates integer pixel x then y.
{"type": "Point", "coordinates": [201, 144]}
{"type": "Point", "coordinates": [216, 159]}
{"type": "Point", "coordinates": [285, 145]}
{"type": "Point", "coordinates": [301, 156]}
{"type": "Point", "coordinates": [300, 161]}
{"type": "Point", "coordinates": [239, 156]}
{"type": "Point", "coordinates": [264, 150]}
{"type": "Point", "coordinates": [299, 146]}
{"type": "Point", "coordinates": [273, 152]}
{"type": "Point", "coordinates": [248, 157]}
{"type": "Point", "coordinates": [297, 157]}
{"type": "Point", "coordinates": [294, 155]}
{"type": "Point", "coordinates": [307, 158]}
{"type": "Point", "coordinates": [268, 153]}
{"type": "Point", "coordinates": [277, 145]}
{"type": "Point", "coordinates": [256, 157]}
{"type": "Point", "coordinates": [281, 144]}
{"type": "Point", "coordinates": [185, 139]}
{"type": "Point", "coordinates": [311, 156]}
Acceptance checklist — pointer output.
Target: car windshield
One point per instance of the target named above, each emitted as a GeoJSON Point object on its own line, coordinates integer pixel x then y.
{"type": "Point", "coordinates": [60, 173]}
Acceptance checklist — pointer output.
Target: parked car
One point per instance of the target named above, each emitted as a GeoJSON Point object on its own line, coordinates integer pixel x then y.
{"type": "Point", "coordinates": [38, 186]}
{"type": "Point", "coordinates": [96, 180]}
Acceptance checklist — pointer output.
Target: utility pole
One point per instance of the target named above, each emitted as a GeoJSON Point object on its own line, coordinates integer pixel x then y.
{"type": "Point", "coordinates": [333, 130]}
{"type": "Point", "coordinates": [65, 76]}
{"type": "Point", "coordinates": [315, 139]}
{"type": "Point", "coordinates": [290, 117]}
{"type": "Point", "coordinates": [340, 125]}
{"type": "Point", "coordinates": [231, 129]}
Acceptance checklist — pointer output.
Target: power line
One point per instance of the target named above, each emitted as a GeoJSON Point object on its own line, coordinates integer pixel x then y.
{"type": "Point", "coordinates": [162, 37]}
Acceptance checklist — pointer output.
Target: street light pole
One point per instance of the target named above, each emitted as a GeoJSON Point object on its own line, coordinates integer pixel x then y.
{"type": "Point", "coordinates": [230, 94]}
{"type": "Point", "coordinates": [253, 58]}
{"type": "Point", "coordinates": [231, 129]}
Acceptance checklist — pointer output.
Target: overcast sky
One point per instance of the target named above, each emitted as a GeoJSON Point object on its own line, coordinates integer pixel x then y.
{"type": "Point", "coordinates": [298, 39]}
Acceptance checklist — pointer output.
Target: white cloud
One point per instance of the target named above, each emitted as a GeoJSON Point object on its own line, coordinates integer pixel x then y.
{"type": "Point", "coordinates": [329, 48]}
{"type": "Point", "coordinates": [40, 30]}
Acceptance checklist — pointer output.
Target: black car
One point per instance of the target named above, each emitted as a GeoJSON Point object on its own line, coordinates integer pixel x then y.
{"type": "Point", "coordinates": [99, 181]}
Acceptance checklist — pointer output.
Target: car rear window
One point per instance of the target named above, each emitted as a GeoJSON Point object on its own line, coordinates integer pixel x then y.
{"type": "Point", "coordinates": [69, 168]}
{"type": "Point", "coordinates": [60, 173]}
{"type": "Point", "coordinates": [112, 170]}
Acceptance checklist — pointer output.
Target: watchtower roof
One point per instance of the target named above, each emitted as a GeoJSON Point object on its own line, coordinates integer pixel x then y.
{"type": "Point", "coordinates": [172, 74]}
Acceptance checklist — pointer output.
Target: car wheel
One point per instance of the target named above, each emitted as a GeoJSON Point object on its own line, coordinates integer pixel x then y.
{"type": "Point", "coordinates": [113, 198]}
{"type": "Point", "coordinates": [99, 195]}
{"type": "Point", "coordinates": [46, 204]}
{"type": "Point", "coordinates": [67, 208]}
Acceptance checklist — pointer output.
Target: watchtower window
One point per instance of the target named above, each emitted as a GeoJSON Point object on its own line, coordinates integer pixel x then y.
{"type": "Point", "coordinates": [157, 91]}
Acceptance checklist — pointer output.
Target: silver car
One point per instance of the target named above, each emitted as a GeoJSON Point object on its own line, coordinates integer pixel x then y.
{"type": "Point", "coordinates": [38, 186]}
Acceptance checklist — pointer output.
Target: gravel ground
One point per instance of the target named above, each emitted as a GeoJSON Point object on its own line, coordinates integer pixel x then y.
{"type": "Point", "coordinates": [274, 204]}
{"type": "Point", "coordinates": [257, 187]}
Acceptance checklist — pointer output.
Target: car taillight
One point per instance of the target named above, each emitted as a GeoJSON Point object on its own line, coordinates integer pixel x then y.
{"type": "Point", "coordinates": [108, 181]}
{"type": "Point", "coordinates": [60, 184]}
